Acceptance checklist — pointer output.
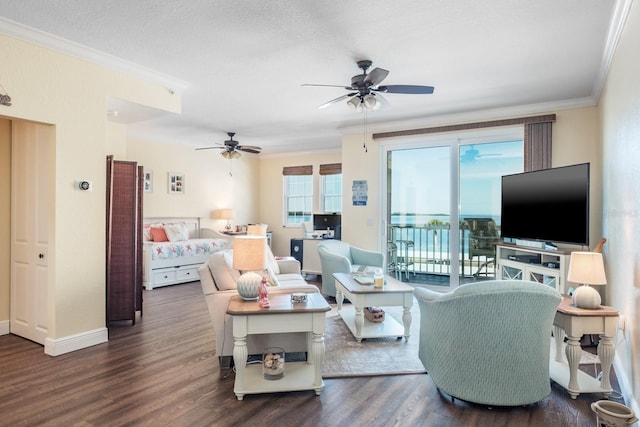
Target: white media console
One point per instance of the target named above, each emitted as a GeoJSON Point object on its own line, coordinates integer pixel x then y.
{"type": "Point", "coordinates": [549, 267]}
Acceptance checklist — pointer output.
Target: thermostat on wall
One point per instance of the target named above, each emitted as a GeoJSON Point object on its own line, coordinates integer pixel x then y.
{"type": "Point", "coordinates": [83, 185]}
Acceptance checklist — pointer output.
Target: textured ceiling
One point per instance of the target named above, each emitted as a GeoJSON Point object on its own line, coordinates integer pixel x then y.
{"type": "Point", "coordinates": [240, 65]}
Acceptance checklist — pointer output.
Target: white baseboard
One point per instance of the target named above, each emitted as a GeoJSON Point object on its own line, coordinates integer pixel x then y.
{"type": "Point", "coordinates": [58, 346]}
{"type": "Point", "coordinates": [4, 327]}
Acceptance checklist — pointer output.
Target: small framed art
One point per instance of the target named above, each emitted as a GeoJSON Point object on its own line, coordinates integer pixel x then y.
{"type": "Point", "coordinates": [147, 181]}
{"type": "Point", "coordinates": [176, 183]}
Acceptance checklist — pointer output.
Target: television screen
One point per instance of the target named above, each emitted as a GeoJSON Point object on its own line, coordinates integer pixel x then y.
{"type": "Point", "coordinates": [550, 205]}
{"type": "Point", "coordinates": [326, 221]}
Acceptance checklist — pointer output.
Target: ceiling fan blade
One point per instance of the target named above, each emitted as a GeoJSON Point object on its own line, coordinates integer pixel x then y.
{"type": "Point", "coordinates": [375, 76]}
{"type": "Point", "coordinates": [342, 86]}
{"type": "Point", "coordinates": [249, 149]}
{"type": "Point", "coordinates": [410, 89]}
{"type": "Point", "coordinates": [336, 100]}
{"type": "Point", "coordinates": [208, 148]}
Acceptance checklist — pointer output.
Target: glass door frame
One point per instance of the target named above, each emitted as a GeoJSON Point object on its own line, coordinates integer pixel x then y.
{"type": "Point", "coordinates": [454, 140]}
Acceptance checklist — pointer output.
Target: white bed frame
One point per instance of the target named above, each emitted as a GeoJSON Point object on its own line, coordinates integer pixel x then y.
{"type": "Point", "coordinates": [164, 272]}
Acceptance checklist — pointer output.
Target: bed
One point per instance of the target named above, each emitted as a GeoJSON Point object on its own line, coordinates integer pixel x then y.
{"type": "Point", "coordinates": [173, 249]}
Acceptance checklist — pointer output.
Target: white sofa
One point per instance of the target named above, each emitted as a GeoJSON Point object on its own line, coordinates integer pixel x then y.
{"type": "Point", "coordinates": [218, 284]}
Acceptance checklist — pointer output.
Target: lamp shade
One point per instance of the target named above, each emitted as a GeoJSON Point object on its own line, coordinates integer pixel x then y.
{"type": "Point", "coordinates": [249, 253]}
{"type": "Point", "coordinates": [223, 214]}
{"type": "Point", "coordinates": [257, 230]}
{"type": "Point", "coordinates": [586, 268]}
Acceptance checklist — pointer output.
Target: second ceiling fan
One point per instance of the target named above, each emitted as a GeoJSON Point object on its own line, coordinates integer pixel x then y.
{"type": "Point", "coordinates": [232, 148]}
{"type": "Point", "coordinates": [365, 90]}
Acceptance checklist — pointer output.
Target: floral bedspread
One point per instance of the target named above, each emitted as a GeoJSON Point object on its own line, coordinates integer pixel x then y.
{"type": "Point", "coordinates": [172, 250]}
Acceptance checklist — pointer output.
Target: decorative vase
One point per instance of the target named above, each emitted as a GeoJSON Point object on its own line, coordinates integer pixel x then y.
{"type": "Point", "coordinates": [273, 363]}
{"type": "Point", "coordinates": [248, 286]}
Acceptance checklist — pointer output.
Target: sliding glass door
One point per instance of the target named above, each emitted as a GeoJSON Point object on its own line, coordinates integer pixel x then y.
{"type": "Point", "coordinates": [442, 206]}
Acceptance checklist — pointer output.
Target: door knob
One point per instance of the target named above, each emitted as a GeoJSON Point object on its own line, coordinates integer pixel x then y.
{"type": "Point", "coordinates": [40, 256]}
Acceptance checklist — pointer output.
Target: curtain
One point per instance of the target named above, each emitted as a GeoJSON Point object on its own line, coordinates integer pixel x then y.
{"type": "Point", "coordinates": [537, 146]}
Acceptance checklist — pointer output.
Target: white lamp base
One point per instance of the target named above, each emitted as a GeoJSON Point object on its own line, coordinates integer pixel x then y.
{"type": "Point", "coordinates": [248, 286]}
{"type": "Point", "coordinates": [586, 297]}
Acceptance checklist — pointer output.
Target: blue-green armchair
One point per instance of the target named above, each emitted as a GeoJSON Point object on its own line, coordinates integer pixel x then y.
{"type": "Point", "coordinates": [488, 342]}
{"type": "Point", "coordinates": [337, 256]}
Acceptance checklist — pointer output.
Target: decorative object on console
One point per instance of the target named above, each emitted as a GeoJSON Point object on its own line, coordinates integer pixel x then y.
{"type": "Point", "coordinates": [586, 268]}
{"type": "Point", "coordinates": [249, 255]}
{"type": "Point", "coordinates": [224, 214]}
{"type": "Point", "coordinates": [273, 363]}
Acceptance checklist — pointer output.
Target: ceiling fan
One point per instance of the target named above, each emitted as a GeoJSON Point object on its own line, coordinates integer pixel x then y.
{"type": "Point", "coordinates": [365, 90]}
{"type": "Point", "coordinates": [232, 148]}
{"type": "Point", "coordinates": [472, 154]}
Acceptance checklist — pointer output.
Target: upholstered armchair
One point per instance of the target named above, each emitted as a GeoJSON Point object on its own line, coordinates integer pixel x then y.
{"type": "Point", "coordinates": [488, 342]}
{"type": "Point", "coordinates": [337, 256]}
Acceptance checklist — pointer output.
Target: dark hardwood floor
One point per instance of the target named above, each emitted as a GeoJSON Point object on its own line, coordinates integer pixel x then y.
{"type": "Point", "coordinates": [164, 372]}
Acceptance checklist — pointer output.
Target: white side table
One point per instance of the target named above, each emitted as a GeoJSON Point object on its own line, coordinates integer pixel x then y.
{"type": "Point", "coordinates": [576, 322]}
{"type": "Point", "coordinates": [282, 316]}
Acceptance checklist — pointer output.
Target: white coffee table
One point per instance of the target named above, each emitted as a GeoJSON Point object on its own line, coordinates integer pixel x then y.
{"type": "Point", "coordinates": [394, 293]}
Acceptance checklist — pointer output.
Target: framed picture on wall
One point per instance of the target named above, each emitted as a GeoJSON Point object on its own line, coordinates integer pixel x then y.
{"type": "Point", "coordinates": [147, 181]}
{"type": "Point", "coordinates": [176, 183]}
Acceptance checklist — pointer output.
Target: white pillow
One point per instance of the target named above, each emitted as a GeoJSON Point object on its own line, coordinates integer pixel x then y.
{"type": "Point", "coordinates": [176, 232]}
{"type": "Point", "coordinates": [271, 262]}
{"type": "Point", "coordinates": [222, 271]}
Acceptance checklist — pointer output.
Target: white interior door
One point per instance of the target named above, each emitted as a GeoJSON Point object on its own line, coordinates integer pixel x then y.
{"type": "Point", "coordinates": [31, 151]}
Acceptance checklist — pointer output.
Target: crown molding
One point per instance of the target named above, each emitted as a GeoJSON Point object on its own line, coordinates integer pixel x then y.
{"type": "Point", "coordinates": [472, 116]}
{"type": "Point", "coordinates": [58, 44]}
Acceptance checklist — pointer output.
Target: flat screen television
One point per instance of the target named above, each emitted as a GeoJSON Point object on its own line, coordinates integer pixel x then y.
{"type": "Point", "coordinates": [326, 221]}
{"type": "Point", "coordinates": [549, 205]}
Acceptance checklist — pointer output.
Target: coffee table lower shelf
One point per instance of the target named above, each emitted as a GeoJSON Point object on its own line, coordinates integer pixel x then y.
{"type": "Point", "coordinates": [389, 328]}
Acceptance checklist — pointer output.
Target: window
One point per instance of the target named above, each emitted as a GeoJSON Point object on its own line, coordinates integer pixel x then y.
{"type": "Point", "coordinates": [331, 193]}
{"type": "Point", "coordinates": [298, 194]}
{"type": "Point", "coordinates": [331, 188]}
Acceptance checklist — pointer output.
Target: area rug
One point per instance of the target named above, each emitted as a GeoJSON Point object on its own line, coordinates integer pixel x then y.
{"type": "Point", "coordinates": [346, 357]}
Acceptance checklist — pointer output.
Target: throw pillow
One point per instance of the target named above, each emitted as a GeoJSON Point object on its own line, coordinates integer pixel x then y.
{"type": "Point", "coordinates": [272, 280]}
{"type": "Point", "coordinates": [177, 232]}
{"type": "Point", "coordinates": [146, 233]}
{"type": "Point", "coordinates": [158, 234]}
{"type": "Point", "coordinates": [271, 261]}
{"type": "Point", "coordinates": [223, 274]}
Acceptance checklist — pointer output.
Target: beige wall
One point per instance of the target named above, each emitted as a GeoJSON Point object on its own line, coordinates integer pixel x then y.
{"type": "Point", "coordinates": [271, 194]}
{"type": "Point", "coordinates": [70, 94]}
{"type": "Point", "coordinates": [620, 118]}
{"type": "Point", "coordinates": [211, 182]}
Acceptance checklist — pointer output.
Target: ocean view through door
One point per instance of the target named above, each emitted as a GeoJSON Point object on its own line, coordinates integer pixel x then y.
{"type": "Point", "coordinates": [443, 209]}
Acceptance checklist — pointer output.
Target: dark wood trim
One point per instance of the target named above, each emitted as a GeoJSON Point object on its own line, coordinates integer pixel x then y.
{"type": "Point", "coordinates": [467, 126]}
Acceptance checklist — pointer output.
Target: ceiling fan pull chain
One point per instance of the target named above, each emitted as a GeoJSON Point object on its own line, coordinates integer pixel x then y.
{"type": "Point", "coordinates": [364, 133]}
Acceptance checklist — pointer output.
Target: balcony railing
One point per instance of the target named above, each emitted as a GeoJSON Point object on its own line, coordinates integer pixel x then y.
{"type": "Point", "coordinates": [427, 248]}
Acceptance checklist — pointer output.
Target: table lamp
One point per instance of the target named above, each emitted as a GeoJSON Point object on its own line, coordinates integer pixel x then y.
{"type": "Point", "coordinates": [224, 214]}
{"type": "Point", "coordinates": [586, 268]}
{"type": "Point", "coordinates": [249, 256]}
{"type": "Point", "coordinates": [257, 230]}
